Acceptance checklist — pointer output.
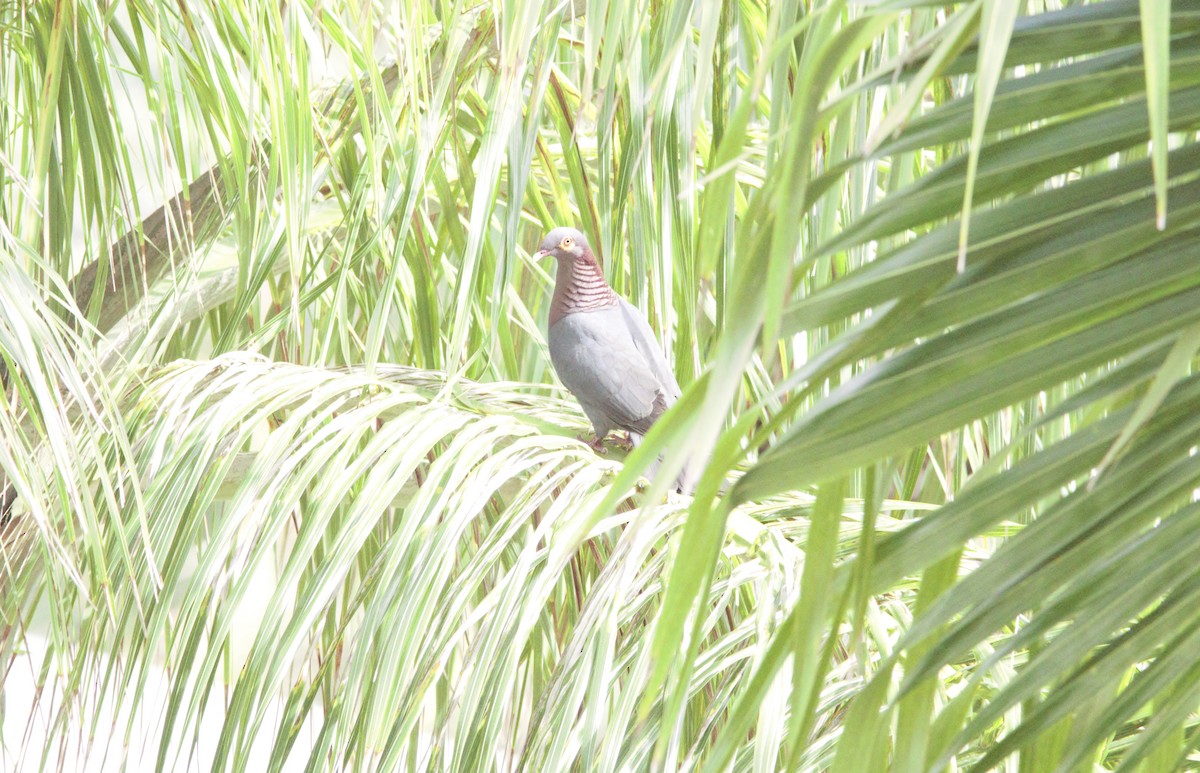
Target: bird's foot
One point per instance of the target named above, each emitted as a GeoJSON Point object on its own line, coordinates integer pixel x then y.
{"type": "Point", "coordinates": [625, 443]}
{"type": "Point", "coordinates": [596, 443]}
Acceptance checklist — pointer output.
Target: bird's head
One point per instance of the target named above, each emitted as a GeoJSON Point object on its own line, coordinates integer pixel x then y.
{"type": "Point", "coordinates": [563, 243]}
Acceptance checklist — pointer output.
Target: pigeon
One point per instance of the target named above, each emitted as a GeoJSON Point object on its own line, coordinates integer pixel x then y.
{"type": "Point", "coordinates": [602, 348]}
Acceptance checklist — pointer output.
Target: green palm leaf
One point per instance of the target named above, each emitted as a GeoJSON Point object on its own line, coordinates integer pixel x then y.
{"type": "Point", "coordinates": [285, 486]}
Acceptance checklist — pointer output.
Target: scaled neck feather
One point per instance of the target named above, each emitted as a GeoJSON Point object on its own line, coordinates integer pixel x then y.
{"type": "Point", "coordinates": [580, 286]}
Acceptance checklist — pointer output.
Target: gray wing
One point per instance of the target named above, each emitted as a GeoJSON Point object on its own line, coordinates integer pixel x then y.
{"type": "Point", "coordinates": [597, 358]}
{"type": "Point", "coordinates": [643, 339]}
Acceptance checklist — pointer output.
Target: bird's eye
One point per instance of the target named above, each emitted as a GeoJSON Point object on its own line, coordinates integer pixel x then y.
{"type": "Point", "coordinates": [566, 242]}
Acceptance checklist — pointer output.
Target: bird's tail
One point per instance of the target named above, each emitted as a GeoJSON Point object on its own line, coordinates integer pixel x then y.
{"type": "Point", "coordinates": [689, 476]}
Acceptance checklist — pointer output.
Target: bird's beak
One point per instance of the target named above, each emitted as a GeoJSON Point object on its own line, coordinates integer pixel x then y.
{"type": "Point", "coordinates": [540, 254]}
